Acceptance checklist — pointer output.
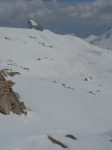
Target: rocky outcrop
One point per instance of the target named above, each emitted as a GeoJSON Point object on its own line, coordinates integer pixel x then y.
{"type": "Point", "coordinates": [33, 25]}
{"type": "Point", "coordinates": [8, 99]}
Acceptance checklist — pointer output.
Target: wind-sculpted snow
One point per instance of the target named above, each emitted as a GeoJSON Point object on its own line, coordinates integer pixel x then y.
{"type": "Point", "coordinates": [66, 85]}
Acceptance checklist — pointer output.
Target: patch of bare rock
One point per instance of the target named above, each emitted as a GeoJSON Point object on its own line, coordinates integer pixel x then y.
{"type": "Point", "coordinates": [9, 101]}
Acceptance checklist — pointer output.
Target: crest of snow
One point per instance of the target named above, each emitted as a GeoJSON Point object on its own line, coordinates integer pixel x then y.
{"type": "Point", "coordinates": [91, 38]}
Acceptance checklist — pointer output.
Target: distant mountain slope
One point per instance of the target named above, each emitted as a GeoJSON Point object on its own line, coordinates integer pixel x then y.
{"type": "Point", "coordinates": [104, 40]}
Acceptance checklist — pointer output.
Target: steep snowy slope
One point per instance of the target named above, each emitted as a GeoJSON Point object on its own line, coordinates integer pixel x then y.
{"type": "Point", "coordinates": [66, 85]}
{"type": "Point", "coordinates": [104, 40]}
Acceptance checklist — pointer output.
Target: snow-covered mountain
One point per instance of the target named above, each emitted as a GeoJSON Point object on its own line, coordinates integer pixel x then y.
{"type": "Point", "coordinates": [104, 40]}
{"type": "Point", "coordinates": [66, 85]}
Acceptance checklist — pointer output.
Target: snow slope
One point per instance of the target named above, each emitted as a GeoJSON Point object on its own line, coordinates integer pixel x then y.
{"type": "Point", "coordinates": [66, 85]}
{"type": "Point", "coordinates": [104, 40]}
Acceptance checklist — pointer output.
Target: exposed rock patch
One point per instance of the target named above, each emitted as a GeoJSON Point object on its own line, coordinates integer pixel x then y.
{"type": "Point", "coordinates": [55, 141]}
{"type": "Point", "coordinates": [8, 100]}
{"type": "Point", "coordinates": [71, 136]}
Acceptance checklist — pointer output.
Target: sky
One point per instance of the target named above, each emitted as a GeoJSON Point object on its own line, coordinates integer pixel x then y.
{"type": "Point", "coordinates": [79, 17]}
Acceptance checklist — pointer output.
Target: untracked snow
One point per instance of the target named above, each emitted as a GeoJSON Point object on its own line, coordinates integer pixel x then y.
{"type": "Point", "coordinates": [66, 85]}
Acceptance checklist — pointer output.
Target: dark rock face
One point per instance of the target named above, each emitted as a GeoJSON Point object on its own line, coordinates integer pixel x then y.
{"type": "Point", "coordinates": [8, 99]}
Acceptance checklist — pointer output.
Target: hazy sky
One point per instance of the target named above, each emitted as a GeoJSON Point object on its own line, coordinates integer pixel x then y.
{"type": "Point", "coordinates": [81, 17]}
